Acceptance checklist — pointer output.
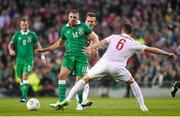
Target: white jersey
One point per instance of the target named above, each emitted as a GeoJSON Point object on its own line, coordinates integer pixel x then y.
{"type": "Point", "coordinates": [120, 48]}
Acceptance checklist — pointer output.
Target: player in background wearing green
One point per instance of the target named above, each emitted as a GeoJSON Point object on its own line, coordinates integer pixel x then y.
{"type": "Point", "coordinates": [73, 36]}
{"type": "Point", "coordinates": [22, 45]}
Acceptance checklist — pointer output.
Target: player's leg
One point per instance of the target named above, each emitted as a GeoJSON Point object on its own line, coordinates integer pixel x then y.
{"type": "Point", "coordinates": [79, 96]}
{"type": "Point", "coordinates": [85, 92]}
{"type": "Point", "coordinates": [124, 75]}
{"type": "Point", "coordinates": [66, 69]}
{"type": "Point", "coordinates": [175, 88]}
{"type": "Point", "coordinates": [19, 72]}
{"type": "Point", "coordinates": [85, 101]}
{"type": "Point", "coordinates": [81, 69]}
{"type": "Point", "coordinates": [76, 88]}
{"type": "Point", "coordinates": [99, 70]}
{"type": "Point", "coordinates": [137, 93]}
{"type": "Point", "coordinates": [64, 74]}
{"type": "Point", "coordinates": [24, 87]}
{"type": "Point", "coordinates": [27, 68]}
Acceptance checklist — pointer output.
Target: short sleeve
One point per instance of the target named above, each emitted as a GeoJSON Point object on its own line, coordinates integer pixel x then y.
{"type": "Point", "coordinates": [87, 30]}
{"type": "Point", "coordinates": [61, 34]}
{"type": "Point", "coordinates": [137, 46]}
{"type": "Point", "coordinates": [13, 39]}
{"type": "Point", "coordinates": [109, 38]}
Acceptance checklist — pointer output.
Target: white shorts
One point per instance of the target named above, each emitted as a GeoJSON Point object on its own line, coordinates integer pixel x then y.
{"type": "Point", "coordinates": [104, 67]}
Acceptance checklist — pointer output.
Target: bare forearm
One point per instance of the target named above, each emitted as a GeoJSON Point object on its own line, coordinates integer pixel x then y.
{"type": "Point", "coordinates": [10, 46]}
{"type": "Point", "coordinates": [95, 37]}
{"type": "Point", "coordinates": [52, 47]}
{"type": "Point", "coordinates": [157, 51]}
{"type": "Point", "coordinates": [99, 44]}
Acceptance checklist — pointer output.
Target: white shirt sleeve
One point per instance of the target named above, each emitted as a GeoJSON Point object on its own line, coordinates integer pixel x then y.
{"type": "Point", "coordinates": [137, 46]}
{"type": "Point", "coordinates": [109, 38]}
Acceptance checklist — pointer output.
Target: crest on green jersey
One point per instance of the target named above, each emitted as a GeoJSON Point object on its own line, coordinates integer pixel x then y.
{"type": "Point", "coordinates": [19, 38]}
{"type": "Point", "coordinates": [81, 31]}
{"type": "Point", "coordinates": [29, 39]}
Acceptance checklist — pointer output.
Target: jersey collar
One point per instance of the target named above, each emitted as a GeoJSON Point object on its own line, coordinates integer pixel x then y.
{"type": "Point", "coordinates": [125, 35]}
{"type": "Point", "coordinates": [25, 33]}
{"type": "Point", "coordinates": [78, 22]}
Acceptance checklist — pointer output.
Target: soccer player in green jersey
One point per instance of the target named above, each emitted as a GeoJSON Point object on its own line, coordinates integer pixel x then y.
{"type": "Point", "coordinates": [22, 46]}
{"type": "Point", "coordinates": [73, 36]}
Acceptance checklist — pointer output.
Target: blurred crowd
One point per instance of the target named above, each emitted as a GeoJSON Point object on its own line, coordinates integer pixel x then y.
{"type": "Point", "coordinates": [156, 23]}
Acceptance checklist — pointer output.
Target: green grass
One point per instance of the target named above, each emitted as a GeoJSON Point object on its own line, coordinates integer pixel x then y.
{"type": "Point", "coordinates": [101, 107]}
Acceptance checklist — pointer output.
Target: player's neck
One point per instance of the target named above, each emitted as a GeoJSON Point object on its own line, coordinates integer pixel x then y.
{"type": "Point", "coordinates": [73, 25]}
{"type": "Point", "coordinates": [24, 32]}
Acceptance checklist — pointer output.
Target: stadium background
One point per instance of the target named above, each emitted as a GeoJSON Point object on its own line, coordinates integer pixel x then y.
{"type": "Point", "coordinates": [156, 23]}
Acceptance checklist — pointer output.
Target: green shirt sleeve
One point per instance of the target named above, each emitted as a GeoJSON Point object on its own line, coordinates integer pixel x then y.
{"type": "Point", "coordinates": [62, 34]}
{"type": "Point", "coordinates": [87, 30]}
{"type": "Point", "coordinates": [13, 39]}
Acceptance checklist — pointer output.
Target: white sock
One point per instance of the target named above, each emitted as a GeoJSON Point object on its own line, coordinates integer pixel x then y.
{"type": "Point", "coordinates": [61, 81]}
{"type": "Point", "coordinates": [25, 82]}
{"type": "Point", "coordinates": [137, 93]}
{"type": "Point", "coordinates": [76, 88]}
{"type": "Point", "coordinates": [85, 92]}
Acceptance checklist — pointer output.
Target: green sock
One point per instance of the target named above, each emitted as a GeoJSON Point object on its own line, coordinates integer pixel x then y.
{"type": "Point", "coordinates": [62, 91]}
{"type": "Point", "coordinates": [24, 90]}
{"type": "Point", "coordinates": [21, 87]}
{"type": "Point", "coordinates": [80, 97]}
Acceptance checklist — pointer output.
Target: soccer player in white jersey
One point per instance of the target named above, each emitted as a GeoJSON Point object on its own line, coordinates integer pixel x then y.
{"type": "Point", "coordinates": [119, 49]}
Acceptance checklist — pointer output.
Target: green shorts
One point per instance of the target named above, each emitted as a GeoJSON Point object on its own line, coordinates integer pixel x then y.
{"type": "Point", "coordinates": [77, 64]}
{"type": "Point", "coordinates": [22, 67]}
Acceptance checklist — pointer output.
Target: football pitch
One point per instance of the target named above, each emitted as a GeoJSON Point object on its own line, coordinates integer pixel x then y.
{"type": "Point", "coordinates": [100, 107]}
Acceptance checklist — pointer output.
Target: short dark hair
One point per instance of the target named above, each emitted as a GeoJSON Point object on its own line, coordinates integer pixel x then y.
{"type": "Point", "coordinates": [24, 19]}
{"type": "Point", "coordinates": [127, 28]}
{"type": "Point", "coordinates": [91, 14]}
{"type": "Point", "coordinates": [73, 11]}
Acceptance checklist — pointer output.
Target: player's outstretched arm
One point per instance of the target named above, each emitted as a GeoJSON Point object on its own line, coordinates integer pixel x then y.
{"type": "Point", "coordinates": [43, 58]}
{"type": "Point", "coordinates": [52, 47]}
{"type": "Point", "coordinates": [94, 37]}
{"type": "Point", "coordinates": [102, 43]}
{"type": "Point", "coordinates": [10, 48]}
{"type": "Point", "coordinates": [160, 52]}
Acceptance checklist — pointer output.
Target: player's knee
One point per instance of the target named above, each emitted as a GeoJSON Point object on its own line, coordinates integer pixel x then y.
{"type": "Point", "coordinates": [25, 76]}
{"type": "Point", "coordinates": [78, 78]}
{"type": "Point", "coordinates": [62, 76]}
{"type": "Point", "coordinates": [86, 78]}
{"type": "Point", "coordinates": [130, 81]}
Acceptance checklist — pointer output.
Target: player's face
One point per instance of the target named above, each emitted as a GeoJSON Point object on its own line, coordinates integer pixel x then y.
{"type": "Point", "coordinates": [90, 21]}
{"type": "Point", "coordinates": [24, 25]}
{"type": "Point", "coordinates": [73, 18]}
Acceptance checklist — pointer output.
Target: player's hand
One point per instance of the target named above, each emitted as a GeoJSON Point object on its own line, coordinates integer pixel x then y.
{"type": "Point", "coordinates": [43, 61]}
{"type": "Point", "coordinates": [88, 50]}
{"type": "Point", "coordinates": [12, 52]}
{"type": "Point", "coordinates": [95, 53]}
{"type": "Point", "coordinates": [39, 50]}
{"type": "Point", "coordinates": [172, 56]}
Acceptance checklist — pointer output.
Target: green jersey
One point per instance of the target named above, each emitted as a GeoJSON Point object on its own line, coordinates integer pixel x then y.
{"type": "Point", "coordinates": [75, 38]}
{"type": "Point", "coordinates": [24, 45]}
